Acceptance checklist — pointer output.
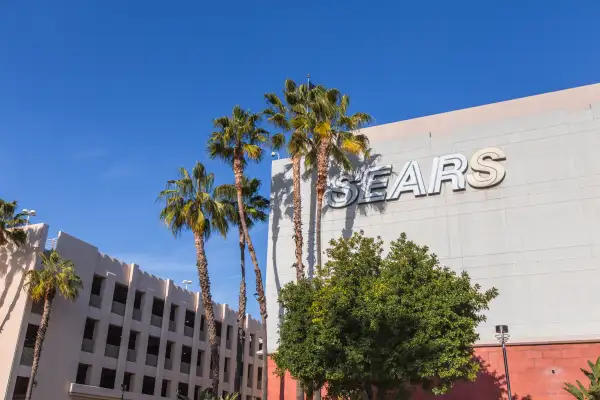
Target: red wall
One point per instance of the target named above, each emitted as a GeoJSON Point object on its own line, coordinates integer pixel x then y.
{"type": "Point", "coordinates": [537, 372]}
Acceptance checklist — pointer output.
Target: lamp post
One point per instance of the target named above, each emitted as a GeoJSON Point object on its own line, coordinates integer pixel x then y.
{"type": "Point", "coordinates": [29, 213]}
{"type": "Point", "coordinates": [502, 335]}
{"type": "Point", "coordinates": [186, 283]}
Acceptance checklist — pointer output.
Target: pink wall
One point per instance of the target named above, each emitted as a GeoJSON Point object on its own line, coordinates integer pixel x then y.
{"type": "Point", "coordinates": [537, 372]}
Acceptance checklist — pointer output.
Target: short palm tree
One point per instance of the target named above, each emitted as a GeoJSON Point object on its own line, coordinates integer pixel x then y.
{"type": "Point", "coordinates": [10, 223]}
{"type": "Point", "coordinates": [237, 140]}
{"type": "Point", "coordinates": [335, 136]}
{"type": "Point", "coordinates": [255, 207]}
{"type": "Point", "coordinates": [190, 204]}
{"type": "Point", "coordinates": [283, 116]}
{"type": "Point", "coordinates": [57, 276]}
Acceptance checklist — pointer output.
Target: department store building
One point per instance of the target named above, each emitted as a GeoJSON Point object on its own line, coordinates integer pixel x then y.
{"type": "Point", "coordinates": [510, 193]}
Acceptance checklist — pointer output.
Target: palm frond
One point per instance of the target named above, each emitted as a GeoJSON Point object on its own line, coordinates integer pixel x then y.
{"type": "Point", "coordinates": [189, 203]}
{"type": "Point", "coordinates": [56, 276]}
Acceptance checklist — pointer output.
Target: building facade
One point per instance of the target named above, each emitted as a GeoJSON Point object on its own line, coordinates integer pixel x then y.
{"type": "Point", "coordinates": [509, 192]}
{"type": "Point", "coordinates": [128, 334]}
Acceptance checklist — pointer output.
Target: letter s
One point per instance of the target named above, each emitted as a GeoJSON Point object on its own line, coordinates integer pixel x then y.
{"type": "Point", "coordinates": [487, 171]}
{"type": "Point", "coordinates": [342, 192]}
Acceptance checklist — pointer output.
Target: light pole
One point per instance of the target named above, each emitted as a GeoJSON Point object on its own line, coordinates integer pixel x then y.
{"type": "Point", "coordinates": [502, 335]}
{"type": "Point", "coordinates": [186, 283]}
{"type": "Point", "coordinates": [29, 213]}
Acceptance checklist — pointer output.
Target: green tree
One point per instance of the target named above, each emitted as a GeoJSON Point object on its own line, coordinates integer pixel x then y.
{"type": "Point", "coordinates": [238, 140]}
{"type": "Point", "coordinates": [57, 276]}
{"type": "Point", "coordinates": [592, 392]}
{"type": "Point", "coordinates": [285, 115]}
{"type": "Point", "coordinates": [388, 322]}
{"type": "Point", "coordinates": [255, 206]}
{"type": "Point", "coordinates": [335, 136]}
{"type": "Point", "coordinates": [299, 350]}
{"type": "Point", "coordinates": [11, 223]}
{"type": "Point", "coordinates": [191, 204]}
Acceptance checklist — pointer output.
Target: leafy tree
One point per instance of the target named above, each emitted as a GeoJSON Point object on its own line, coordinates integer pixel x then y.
{"type": "Point", "coordinates": [191, 204]}
{"type": "Point", "coordinates": [592, 392]}
{"type": "Point", "coordinates": [57, 276]}
{"type": "Point", "coordinates": [11, 223]}
{"type": "Point", "coordinates": [388, 322]}
{"type": "Point", "coordinates": [299, 350]}
{"type": "Point", "coordinates": [284, 115]}
{"type": "Point", "coordinates": [238, 140]}
{"type": "Point", "coordinates": [255, 206]}
{"type": "Point", "coordinates": [335, 136]}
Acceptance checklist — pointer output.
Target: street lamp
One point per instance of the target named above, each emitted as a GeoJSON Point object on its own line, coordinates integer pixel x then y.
{"type": "Point", "coordinates": [29, 213]}
{"type": "Point", "coordinates": [186, 283]}
{"type": "Point", "coordinates": [502, 335]}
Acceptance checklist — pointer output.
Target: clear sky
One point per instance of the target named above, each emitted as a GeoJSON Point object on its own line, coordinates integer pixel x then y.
{"type": "Point", "coordinates": [101, 101]}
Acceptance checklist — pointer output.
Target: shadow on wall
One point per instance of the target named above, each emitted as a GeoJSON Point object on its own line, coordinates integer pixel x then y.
{"type": "Point", "coordinates": [311, 257]}
{"type": "Point", "coordinates": [281, 199]}
{"type": "Point", "coordinates": [360, 165]}
{"type": "Point", "coordinates": [13, 265]}
{"type": "Point", "coordinates": [489, 386]}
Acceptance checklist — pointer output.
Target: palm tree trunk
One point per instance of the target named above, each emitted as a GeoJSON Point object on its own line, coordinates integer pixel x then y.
{"type": "Point", "coordinates": [322, 172]}
{"type": "Point", "coordinates": [202, 265]}
{"type": "Point", "coordinates": [297, 216]}
{"type": "Point", "coordinates": [238, 170]}
{"type": "Point", "coordinates": [241, 316]}
{"type": "Point", "coordinates": [39, 341]}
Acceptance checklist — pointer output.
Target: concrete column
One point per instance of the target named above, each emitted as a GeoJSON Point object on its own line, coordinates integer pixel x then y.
{"type": "Point", "coordinates": [101, 330]}
{"type": "Point", "coordinates": [195, 342]}
{"type": "Point", "coordinates": [143, 338]}
{"type": "Point", "coordinates": [122, 362]}
{"type": "Point", "coordinates": [164, 332]}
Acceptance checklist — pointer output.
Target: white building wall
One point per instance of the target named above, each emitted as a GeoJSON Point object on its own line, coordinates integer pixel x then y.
{"type": "Point", "coordinates": [62, 352]}
{"type": "Point", "coordinates": [535, 237]}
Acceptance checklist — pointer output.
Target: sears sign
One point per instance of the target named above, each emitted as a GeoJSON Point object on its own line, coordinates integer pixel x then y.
{"type": "Point", "coordinates": [483, 170]}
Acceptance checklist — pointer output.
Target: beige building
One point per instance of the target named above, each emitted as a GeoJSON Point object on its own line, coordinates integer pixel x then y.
{"type": "Point", "coordinates": [128, 334]}
{"type": "Point", "coordinates": [510, 193]}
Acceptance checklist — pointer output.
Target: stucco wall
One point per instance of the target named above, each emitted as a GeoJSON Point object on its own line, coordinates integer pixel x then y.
{"type": "Point", "coordinates": [535, 237]}
{"type": "Point", "coordinates": [14, 263]}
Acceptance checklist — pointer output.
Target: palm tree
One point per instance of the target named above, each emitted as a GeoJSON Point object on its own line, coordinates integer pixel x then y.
{"type": "Point", "coordinates": [237, 141]}
{"type": "Point", "coordinates": [57, 276]}
{"type": "Point", "coordinates": [255, 207]}
{"type": "Point", "coordinates": [335, 136]}
{"type": "Point", "coordinates": [10, 223]}
{"type": "Point", "coordinates": [190, 204]}
{"type": "Point", "coordinates": [283, 116]}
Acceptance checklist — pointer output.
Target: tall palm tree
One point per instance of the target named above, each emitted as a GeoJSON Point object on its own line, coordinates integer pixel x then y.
{"type": "Point", "coordinates": [57, 276]}
{"type": "Point", "coordinates": [255, 206]}
{"type": "Point", "coordinates": [239, 139]}
{"type": "Point", "coordinates": [10, 223]}
{"type": "Point", "coordinates": [283, 116]}
{"type": "Point", "coordinates": [335, 136]}
{"type": "Point", "coordinates": [191, 204]}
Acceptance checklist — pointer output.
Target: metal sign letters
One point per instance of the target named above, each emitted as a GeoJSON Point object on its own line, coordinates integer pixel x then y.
{"type": "Point", "coordinates": [373, 184]}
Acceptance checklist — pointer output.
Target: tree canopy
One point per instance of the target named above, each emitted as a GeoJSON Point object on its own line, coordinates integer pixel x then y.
{"type": "Point", "coordinates": [11, 224]}
{"type": "Point", "coordinates": [393, 321]}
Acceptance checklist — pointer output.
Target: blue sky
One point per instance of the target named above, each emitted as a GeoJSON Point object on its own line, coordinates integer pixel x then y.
{"type": "Point", "coordinates": [101, 101]}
